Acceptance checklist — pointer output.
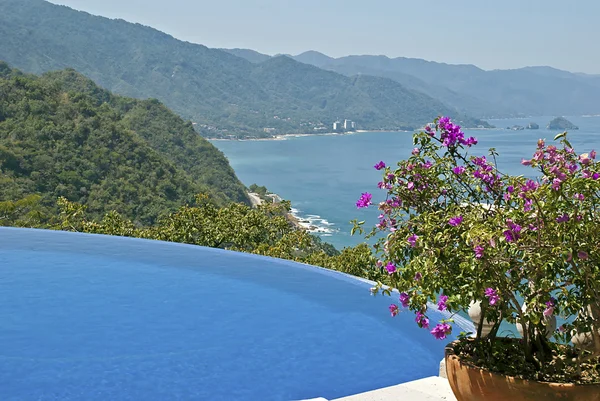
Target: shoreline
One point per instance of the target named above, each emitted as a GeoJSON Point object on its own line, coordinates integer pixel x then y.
{"type": "Point", "coordinates": [285, 137]}
{"type": "Point", "coordinates": [313, 224]}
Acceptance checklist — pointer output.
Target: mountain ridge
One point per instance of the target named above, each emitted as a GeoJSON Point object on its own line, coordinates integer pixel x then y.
{"type": "Point", "coordinates": [223, 93]}
{"type": "Point", "coordinates": [532, 90]}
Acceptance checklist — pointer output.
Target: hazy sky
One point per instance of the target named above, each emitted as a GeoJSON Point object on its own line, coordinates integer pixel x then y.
{"type": "Point", "coordinates": [488, 33]}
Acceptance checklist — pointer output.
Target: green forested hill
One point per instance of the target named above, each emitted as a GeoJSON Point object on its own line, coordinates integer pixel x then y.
{"type": "Point", "coordinates": [61, 135]}
{"type": "Point", "coordinates": [221, 92]}
{"type": "Point", "coordinates": [500, 93]}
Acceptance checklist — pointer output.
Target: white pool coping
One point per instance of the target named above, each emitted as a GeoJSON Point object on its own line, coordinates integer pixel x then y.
{"type": "Point", "coordinates": [428, 389]}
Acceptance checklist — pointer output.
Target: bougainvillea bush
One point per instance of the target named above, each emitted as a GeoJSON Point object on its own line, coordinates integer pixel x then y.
{"type": "Point", "coordinates": [458, 230]}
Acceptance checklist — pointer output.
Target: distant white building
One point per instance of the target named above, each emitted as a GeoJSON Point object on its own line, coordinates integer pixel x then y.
{"type": "Point", "coordinates": [337, 126]}
{"type": "Point", "coordinates": [349, 125]}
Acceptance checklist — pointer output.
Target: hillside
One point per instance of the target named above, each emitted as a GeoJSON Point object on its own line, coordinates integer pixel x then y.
{"type": "Point", "coordinates": [497, 93]}
{"type": "Point", "coordinates": [223, 93]}
{"type": "Point", "coordinates": [61, 135]}
{"type": "Point", "coordinates": [471, 90]}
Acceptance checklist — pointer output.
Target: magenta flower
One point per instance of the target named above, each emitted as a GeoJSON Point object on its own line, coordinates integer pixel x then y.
{"type": "Point", "coordinates": [579, 197]}
{"type": "Point", "coordinates": [379, 166]}
{"type": "Point", "coordinates": [412, 240]}
{"type": "Point", "coordinates": [394, 309]}
{"type": "Point", "coordinates": [364, 200]}
{"type": "Point", "coordinates": [441, 330]}
{"type": "Point", "coordinates": [421, 320]}
{"type": "Point", "coordinates": [458, 170]}
{"type": "Point", "coordinates": [556, 184]}
{"type": "Point", "coordinates": [410, 186]}
{"type": "Point", "coordinates": [415, 151]}
{"type": "Point", "coordinates": [404, 300]}
{"type": "Point", "coordinates": [530, 185]}
{"type": "Point", "coordinates": [478, 251]}
{"type": "Point", "coordinates": [538, 156]}
{"type": "Point", "coordinates": [549, 311]}
{"type": "Point", "coordinates": [585, 159]}
{"type": "Point", "coordinates": [593, 154]}
{"type": "Point", "coordinates": [510, 189]}
{"type": "Point", "coordinates": [562, 219]}
{"type": "Point", "coordinates": [418, 276]}
{"type": "Point", "coordinates": [390, 267]}
{"type": "Point", "coordinates": [471, 141]}
{"type": "Point", "coordinates": [583, 255]}
{"type": "Point", "coordinates": [442, 302]}
{"type": "Point", "coordinates": [512, 234]}
{"type": "Point", "coordinates": [480, 161]}
{"type": "Point", "coordinates": [595, 176]}
{"type": "Point", "coordinates": [526, 162]}
{"type": "Point", "coordinates": [492, 295]}
{"type": "Point", "coordinates": [455, 221]}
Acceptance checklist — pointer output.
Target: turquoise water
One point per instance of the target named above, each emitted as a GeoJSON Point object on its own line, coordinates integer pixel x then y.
{"type": "Point", "coordinates": [324, 175]}
{"type": "Point", "coordinates": [97, 318]}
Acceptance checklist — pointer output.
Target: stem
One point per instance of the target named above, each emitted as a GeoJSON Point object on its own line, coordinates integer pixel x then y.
{"type": "Point", "coordinates": [481, 320]}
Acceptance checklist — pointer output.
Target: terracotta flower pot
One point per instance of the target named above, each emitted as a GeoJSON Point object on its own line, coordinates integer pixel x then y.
{"type": "Point", "coordinates": [470, 383]}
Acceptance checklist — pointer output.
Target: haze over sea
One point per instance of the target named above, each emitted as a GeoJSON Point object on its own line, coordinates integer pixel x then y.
{"type": "Point", "coordinates": [323, 176]}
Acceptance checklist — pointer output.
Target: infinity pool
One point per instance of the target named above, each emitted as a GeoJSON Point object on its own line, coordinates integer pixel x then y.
{"type": "Point", "coordinates": [90, 317]}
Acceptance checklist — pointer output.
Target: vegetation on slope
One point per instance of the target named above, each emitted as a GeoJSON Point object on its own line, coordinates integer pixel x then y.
{"type": "Point", "coordinates": [265, 230]}
{"type": "Point", "coordinates": [63, 136]}
{"type": "Point", "coordinates": [497, 93]}
{"type": "Point", "coordinates": [224, 94]}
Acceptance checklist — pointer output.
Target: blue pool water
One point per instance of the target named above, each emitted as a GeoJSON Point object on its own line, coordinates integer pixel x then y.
{"type": "Point", "coordinates": [88, 317]}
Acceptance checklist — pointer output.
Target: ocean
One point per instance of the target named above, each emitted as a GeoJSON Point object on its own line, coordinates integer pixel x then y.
{"type": "Point", "coordinates": [323, 176]}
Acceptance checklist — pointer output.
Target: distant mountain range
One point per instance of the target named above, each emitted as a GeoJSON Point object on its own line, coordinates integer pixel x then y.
{"type": "Point", "coordinates": [222, 93]}
{"type": "Point", "coordinates": [241, 92]}
{"type": "Point", "coordinates": [528, 91]}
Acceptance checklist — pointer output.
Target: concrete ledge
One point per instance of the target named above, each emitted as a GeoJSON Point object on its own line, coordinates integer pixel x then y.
{"type": "Point", "coordinates": [443, 369]}
{"type": "Point", "coordinates": [428, 389]}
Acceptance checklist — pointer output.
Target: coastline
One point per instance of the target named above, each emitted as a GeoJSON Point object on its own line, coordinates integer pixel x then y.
{"type": "Point", "coordinates": [285, 137]}
{"type": "Point", "coordinates": [313, 224]}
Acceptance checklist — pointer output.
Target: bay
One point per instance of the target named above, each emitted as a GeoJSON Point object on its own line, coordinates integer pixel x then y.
{"type": "Point", "coordinates": [324, 175]}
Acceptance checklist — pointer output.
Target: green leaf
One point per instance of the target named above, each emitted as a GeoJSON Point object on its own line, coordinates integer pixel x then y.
{"type": "Point", "coordinates": [561, 135]}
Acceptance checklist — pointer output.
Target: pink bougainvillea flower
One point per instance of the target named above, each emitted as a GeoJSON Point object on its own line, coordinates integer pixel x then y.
{"type": "Point", "coordinates": [492, 295]}
{"type": "Point", "coordinates": [364, 200]}
{"type": "Point", "coordinates": [404, 300]}
{"type": "Point", "coordinates": [455, 221]}
{"type": "Point", "coordinates": [441, 331]}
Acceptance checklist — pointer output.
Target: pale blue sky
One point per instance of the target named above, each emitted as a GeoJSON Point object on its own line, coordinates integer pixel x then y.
{"type": "Point", "coordinates": [488, 33]}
